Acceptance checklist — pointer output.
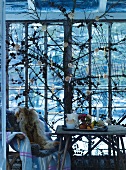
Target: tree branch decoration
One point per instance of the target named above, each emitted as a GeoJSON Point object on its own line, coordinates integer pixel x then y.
{"type": "Point", "coordinates": [37, 54]}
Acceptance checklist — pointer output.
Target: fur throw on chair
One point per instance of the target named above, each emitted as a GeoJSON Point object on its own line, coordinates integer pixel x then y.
{"type": "Point", "coordinates": [33, 127]}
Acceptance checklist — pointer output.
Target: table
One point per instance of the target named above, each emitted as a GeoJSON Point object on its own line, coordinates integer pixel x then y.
{"type": "Point", "coordinates": [111, 137]}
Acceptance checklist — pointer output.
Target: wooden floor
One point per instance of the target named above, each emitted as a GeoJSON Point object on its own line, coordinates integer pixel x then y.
{"type": "Point", "coordinates": [98, 163]}
{"type": "Point", "coordinates": [89, 163]}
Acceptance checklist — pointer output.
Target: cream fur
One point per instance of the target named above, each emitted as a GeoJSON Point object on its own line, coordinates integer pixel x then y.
{"type": "Point", "coordinates": [33, 127]}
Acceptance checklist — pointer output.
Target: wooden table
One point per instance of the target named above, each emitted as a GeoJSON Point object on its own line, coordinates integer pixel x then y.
{"type": "Point", "coordinates": [110, 137]}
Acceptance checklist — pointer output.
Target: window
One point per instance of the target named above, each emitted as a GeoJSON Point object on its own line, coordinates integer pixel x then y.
{"type": "Point", "coordinates": [58, 67]}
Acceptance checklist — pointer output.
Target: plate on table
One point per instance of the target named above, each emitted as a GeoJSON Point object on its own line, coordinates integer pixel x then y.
{"type": "Point", "coordinates": [97, 129]}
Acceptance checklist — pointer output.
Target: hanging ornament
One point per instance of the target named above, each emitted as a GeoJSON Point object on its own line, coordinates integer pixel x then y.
{"type": "Point", "coordinates": [70, 65]}
{"type": "Point", "coordinates": [105, 76]}
{"type": "Point", "coordinates": [51, 63]}
{"type": "Point", "coordinates": [53, 88]}
{"type": "Point", "coordinates": [17, 47]}
{"type": "Point", "coordinates": [44, 27]}
{"type": "Point", "coordinates": [71, 15]}
{"type": "Point", "coordinates": [96, 50]}
{"type": "Point", "coordinates": [68, 78]}
{"type": "Point", "coordinates": [31, 81]}
{"type": "Point", "coordinates": [39, 63]}
{"type": "Point", "coordinates": [87, 69]}
{"type": "Point", "coordinates": [97, 18]}
{"type": "Point", "coordinates": [88, 92]}
{"type": "Point", "coordinates": [65, 44]}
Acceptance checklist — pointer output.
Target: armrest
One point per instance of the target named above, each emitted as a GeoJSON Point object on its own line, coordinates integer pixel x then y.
{"type": "Point", "coordinates": [36, 151]}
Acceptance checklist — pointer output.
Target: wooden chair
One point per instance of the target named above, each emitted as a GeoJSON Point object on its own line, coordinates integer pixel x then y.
{"type": "Point", "coordinates": [13, 157]}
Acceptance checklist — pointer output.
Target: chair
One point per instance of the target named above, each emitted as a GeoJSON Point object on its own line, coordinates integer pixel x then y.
{"type": "Point", "coordinates": [13, 158]}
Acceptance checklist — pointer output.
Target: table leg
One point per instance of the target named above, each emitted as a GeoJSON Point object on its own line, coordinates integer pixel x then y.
{"type": "Point", "coordinates": [122, 143]}
{"type": "Point", "coordinates": [114, 154]}
{"type": "Point", "coordinates": [59, 153]}
{"type": "Point", "coordinates": [121, 157]}
{"type": "Point", "coordinates": [118, 152]}
{"type": "Point", "coordinates": [124, 155]}
{"type": "Point", "coordinates": [65, 150]}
